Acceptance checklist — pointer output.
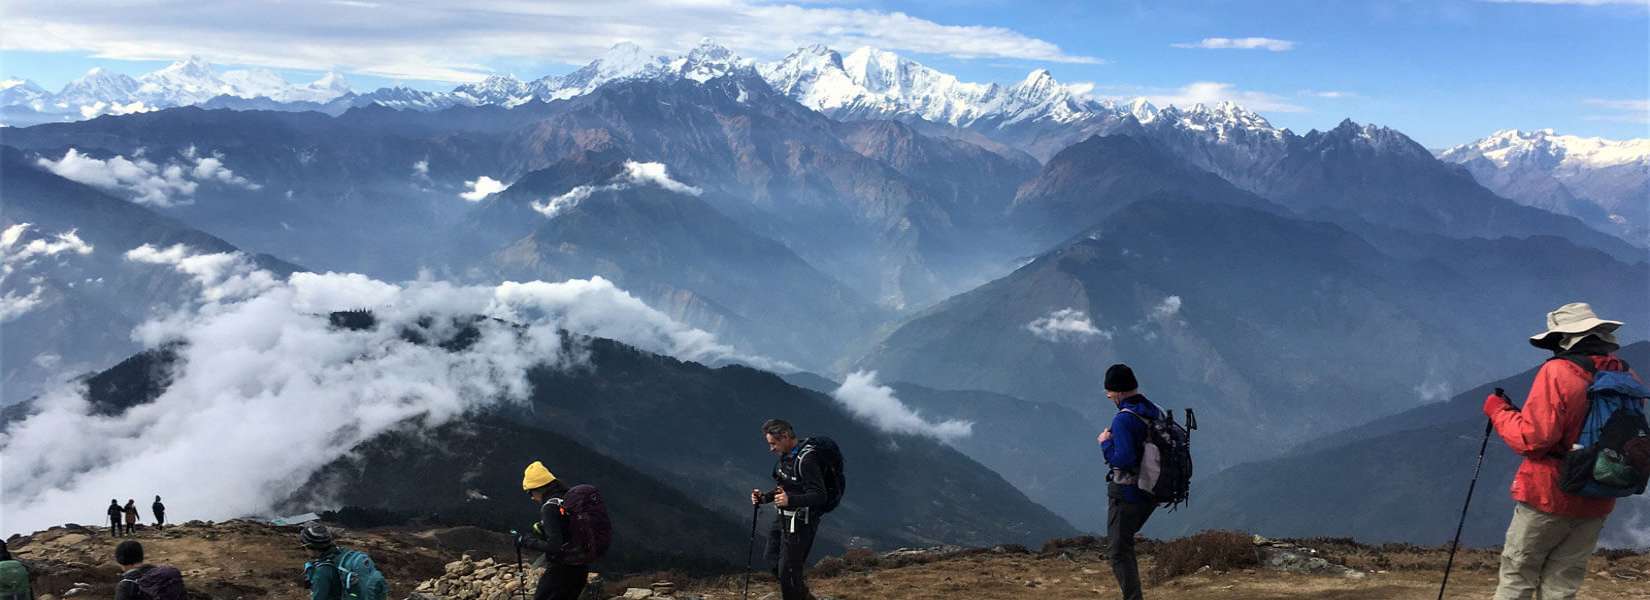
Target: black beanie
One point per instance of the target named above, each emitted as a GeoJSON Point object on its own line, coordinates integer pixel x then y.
{"type": "Point", "coordinates": [1120, 378]}
{"type": "Point", "coordinates": [129, 552]}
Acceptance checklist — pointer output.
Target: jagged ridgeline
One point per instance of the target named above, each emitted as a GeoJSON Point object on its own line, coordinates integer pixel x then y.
{"type": "Point", "coordinates": [675, 446]}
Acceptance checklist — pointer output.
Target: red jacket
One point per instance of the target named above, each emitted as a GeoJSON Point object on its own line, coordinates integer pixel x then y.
{"type": "Point", "coordinates": [1550, 422]}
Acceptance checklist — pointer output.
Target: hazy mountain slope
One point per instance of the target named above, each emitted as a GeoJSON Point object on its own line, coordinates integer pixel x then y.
{"type": "Point", "coordinates": [87, 297]}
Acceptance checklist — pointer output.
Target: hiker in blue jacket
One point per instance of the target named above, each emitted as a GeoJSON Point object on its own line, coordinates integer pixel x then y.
{"type": "Point", "coordinates": [1128, 506]}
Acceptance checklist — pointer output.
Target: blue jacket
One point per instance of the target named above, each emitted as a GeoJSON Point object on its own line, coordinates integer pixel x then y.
{"type": "Point", "coordinates": [1127, 443]}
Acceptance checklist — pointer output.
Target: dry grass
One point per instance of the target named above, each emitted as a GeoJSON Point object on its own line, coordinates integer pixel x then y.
{"type": "Point", "coordinates": [1218, 550]}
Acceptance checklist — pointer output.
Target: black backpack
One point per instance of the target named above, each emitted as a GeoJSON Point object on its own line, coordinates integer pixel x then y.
{"type": "Point", "coordinates": [162, 582]}
{"type": "Point", "coordinates": [829, 455]}
{"type": "Point", "coordinates": [1166, 459]}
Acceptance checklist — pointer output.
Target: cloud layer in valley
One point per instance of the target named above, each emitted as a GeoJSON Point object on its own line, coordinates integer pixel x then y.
{"type": "Point", "coordinates": [254, 352]}
{"type": "Point", "coordinates": [1066, 324]}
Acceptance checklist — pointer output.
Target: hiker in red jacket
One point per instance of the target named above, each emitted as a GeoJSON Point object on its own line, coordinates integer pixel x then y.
{"type": "Point", "coordinates": [1552, 532]}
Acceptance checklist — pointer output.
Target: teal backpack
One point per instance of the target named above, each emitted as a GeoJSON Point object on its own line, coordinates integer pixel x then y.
{"type": "Point", "coordinates": [361, 579]}
{"type": "Point", "coordinates": [14, 581]}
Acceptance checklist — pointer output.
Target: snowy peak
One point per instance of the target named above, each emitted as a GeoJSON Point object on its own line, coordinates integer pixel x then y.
{"type": "Point", "coordinates": [1544, 148]}
{"type": "Point", "coordinates": [504, 90]}
{"type": "Point", "coordinates": [710, 60]}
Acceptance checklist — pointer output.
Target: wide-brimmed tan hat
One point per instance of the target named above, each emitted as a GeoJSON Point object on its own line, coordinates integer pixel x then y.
{"type": "Point", "coordinates": [1575, 317]}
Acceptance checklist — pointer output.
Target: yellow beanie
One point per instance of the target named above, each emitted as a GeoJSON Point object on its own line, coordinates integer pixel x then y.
{"type": "Point", "coordinates": [537, 476]}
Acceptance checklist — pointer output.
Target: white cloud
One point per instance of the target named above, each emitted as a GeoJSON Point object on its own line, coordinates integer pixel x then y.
{"type": "Point", "coordinates": [256, 357]}
{"type": "Point", "coordinates": [145, 181]}
{"type": "Point", "coordinates": [482, 187]}
{"type": "Point", "coordinates": [13, 305]}
{"type": "Point", "coordinates": [1328, 94]}
{"type": "Point", "coordinates": [1621, 111]}
{"type": "Point", "coordinates": [101, 108]}
{"type": "Point", "coordinates": [421, 169]}
{"type": "Point", "coordinates": [14, 254]}
{"type": "Point", "coordinates": [1167, 309]}
{"type": "Point", "coordinates": [635, 173]}
{"type": "Point", "coordinates": [876, 404]}
{"type": "Point", "coordinates": [1066, 324]}
{"type": "Point", "coordinates": [222, 275]}
{"type": "Point", "coordinates": [1248, 43]}
{"type": "Point", "coordinates": [1199, 92]}
{"type": "Point", "coordinates": [455, 41]}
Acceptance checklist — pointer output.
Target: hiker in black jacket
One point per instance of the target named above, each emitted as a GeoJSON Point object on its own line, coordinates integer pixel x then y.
{"type": "Point", "coordinates": [160, 513]}
{"type": "Point", "coordinates": [800, 495]}
{"type": "Point", "coordinates": [560, 581]}
{"type": "Point", "coordinates": [115, 514]}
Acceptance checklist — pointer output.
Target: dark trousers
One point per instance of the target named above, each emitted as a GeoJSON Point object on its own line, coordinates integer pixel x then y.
{"type": "Point", "coordinates": [114, 525]}
{"type": "Point", "coordinates": [562, 582]}
{"type": "Point", "coordinates": [160, 519]}
{"type": "Point", "coordinates": [1123, 520]}
{"type": "Point", "coordinates": [788, 553]}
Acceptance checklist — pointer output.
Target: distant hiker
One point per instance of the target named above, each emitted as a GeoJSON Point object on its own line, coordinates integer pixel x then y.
{"type": "Point", "coordinates": [115, 514]}
{"type": "Point", "coordinates": [132, 516]}
{"type": "Point", "coordinates": [811, 483]}
{"type": "Point", "coordinates": [1581, 391]}
{"type": "Point", "coordinates": [160, 513]}
{"type": "Point", "coordinates": [143, 581]}
{"type": "Point", "coordinates": [14, 577]}
{"type": "Point", "coordinates": [1123, 444]}
{"type": "Point", "coordinates": [335, 573]}
{"type": "Point", "coordinates": [573, 532]}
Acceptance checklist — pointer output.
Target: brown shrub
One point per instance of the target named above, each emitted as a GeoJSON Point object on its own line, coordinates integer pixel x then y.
{"type": "Point", "coordinates": [1219, 550]}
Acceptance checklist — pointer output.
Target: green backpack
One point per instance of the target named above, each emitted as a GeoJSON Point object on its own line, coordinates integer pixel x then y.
{"type": "Point", "coordinates": [360, 578]}
{"type": "Point", "coordinates": [14, 581]}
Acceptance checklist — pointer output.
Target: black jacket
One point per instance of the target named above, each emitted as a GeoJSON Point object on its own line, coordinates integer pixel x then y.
{"type": "Point", "coordinates": [551, 533]}
{"type": "Point", "coordinates": [802, 478]}
{"type": "Point", "coordinates": [116, 512]}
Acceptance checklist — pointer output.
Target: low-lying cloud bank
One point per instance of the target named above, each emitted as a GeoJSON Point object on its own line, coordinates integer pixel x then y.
{"type": "Point", "coordinates": [876, 404]}
{"type": "Point", "coordinates": [635, 174]}
{"type": "Point", "coordinates": [266, 390]}
{"type": "Point", "coordinates": [145, 181]}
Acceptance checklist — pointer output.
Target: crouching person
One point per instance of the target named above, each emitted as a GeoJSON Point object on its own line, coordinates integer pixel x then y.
{"type": "Point", "coordinates": [143, 581]}
{"type": "Point", "coordinates": [335, 573]}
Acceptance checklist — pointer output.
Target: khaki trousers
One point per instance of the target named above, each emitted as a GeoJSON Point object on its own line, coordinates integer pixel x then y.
{"type": "Point", "coordinates": [1545, 555]}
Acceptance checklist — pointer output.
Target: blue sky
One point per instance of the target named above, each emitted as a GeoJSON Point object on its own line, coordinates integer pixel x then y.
{"type": "Point", "coordinates": [1444, 71]}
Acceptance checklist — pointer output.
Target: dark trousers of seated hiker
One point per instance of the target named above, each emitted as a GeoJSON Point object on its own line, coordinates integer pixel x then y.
{"type": "Point", "coordinates": [788, 547]}
{"type": "Point", "coordinates": [1123, 520]}
{"type": "Point", "coordinates": [562, 582]}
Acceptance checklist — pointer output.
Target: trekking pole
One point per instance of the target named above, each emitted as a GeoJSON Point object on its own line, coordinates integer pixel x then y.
{"type": "Point", "coordinates": [521, 572]}
{"type": "Point", "coordinates": [1489, 426]}
{"type": "Point", "coordinates": [745, 590]}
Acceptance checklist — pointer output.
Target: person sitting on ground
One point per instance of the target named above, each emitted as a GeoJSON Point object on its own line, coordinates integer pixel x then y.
{"type": "Point", "coordinates": [160, 513]}
{"type": "Point", "coordinates": [1123, 445]}
{"type": "Point", "coordinates": [14, 577]}
{"type": "Point", "coordinates": [335, 573]}
{"type": "Point", "coordinates": [131, 512]}
{"type": "Point", "coordinates": [115, 513]}
{"type": "Point", "coordinates": [143, 581]}
{"type": "Point", "coordinates": [1552, 532]}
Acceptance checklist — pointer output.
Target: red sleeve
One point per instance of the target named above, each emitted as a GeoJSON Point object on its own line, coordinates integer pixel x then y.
{"type": "Point", "coordinates": [1539, 427]}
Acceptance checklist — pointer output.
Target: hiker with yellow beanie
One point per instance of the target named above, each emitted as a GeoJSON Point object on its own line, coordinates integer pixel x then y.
{"type": "Point", "coordinates": [573, 532]}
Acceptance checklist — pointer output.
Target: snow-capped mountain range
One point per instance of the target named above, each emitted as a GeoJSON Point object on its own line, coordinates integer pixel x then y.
{"type": "Point", "coordinates": [1603, 182]}
{"type": "Point", "coordinates": [184, 83]}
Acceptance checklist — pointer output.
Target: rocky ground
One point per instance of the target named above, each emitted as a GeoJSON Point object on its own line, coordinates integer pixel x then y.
{"type": "Point", "coordinates": [245, 559]}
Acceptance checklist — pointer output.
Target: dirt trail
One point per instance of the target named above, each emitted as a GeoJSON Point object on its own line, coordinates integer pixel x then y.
{"type": "Point", "coordinates": [245, 560]}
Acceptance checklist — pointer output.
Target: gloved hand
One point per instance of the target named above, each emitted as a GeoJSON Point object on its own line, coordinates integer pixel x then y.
{"type": "Point", "coordinates": [1496, 403]}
